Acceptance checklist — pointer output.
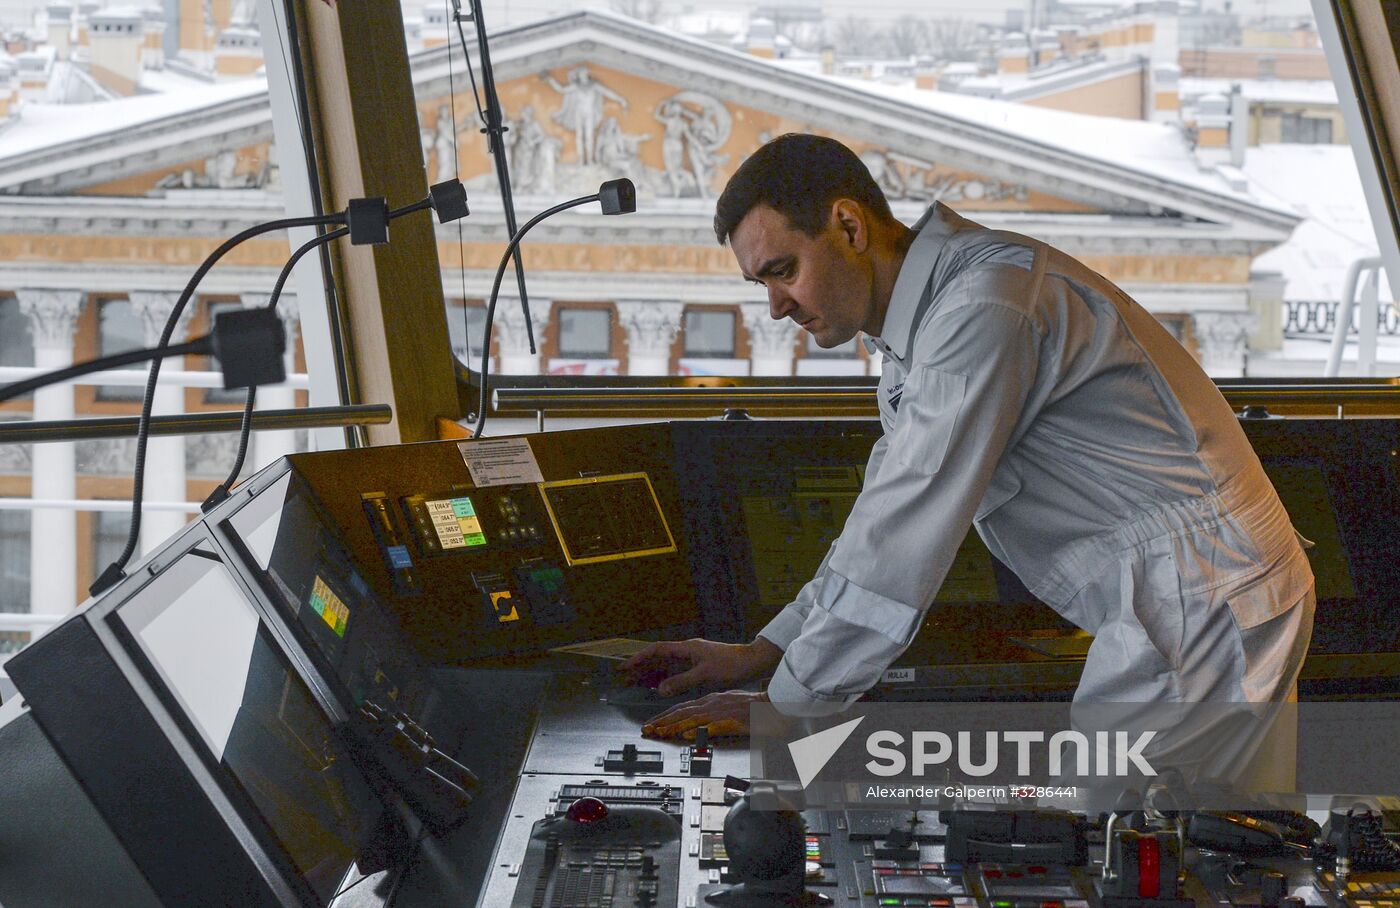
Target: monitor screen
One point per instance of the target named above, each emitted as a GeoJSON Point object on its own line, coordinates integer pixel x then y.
{"type": "Point", "coordinates": [253, 715]}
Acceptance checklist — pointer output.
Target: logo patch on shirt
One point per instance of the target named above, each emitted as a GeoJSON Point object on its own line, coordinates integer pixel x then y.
{"type": "Point", "coordinates": [895, 394]}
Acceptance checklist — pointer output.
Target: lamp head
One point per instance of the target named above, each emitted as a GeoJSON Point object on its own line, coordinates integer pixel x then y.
{"type": "Point", "coordinates": [449, 200]}
{"type": "Point", "coordinates": [618, 197]}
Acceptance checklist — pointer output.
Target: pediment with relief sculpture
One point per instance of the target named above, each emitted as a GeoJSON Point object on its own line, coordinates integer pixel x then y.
{"type": "Point", "coordinates": [591, 96]}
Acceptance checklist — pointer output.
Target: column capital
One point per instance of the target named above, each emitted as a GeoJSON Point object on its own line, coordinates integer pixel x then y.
{"type": "Point", "coordinates": [769, 338]}
{"type": "Point", "coordinates": [52, 315]}
{"type": "Point", "coordinates": [1223, 340]}
{"type": "Point", "coordinates": [651, 325]}
{"type": "Point", "coordinates": [154, 307]}
{"type": "Point", "coordinates": [510, 323]}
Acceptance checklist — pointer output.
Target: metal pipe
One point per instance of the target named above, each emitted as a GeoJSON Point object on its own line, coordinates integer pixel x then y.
{"type": "Point", "coordinates": [857, 400]}
{"type": "Point", "coordinates": [1344, 310]}
{"type": "Point", "coordinates": [30, 432]}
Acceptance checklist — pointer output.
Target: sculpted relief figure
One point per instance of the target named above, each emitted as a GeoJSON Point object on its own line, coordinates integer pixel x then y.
{"type": "Point", "coordinates": [618, 151]}
{"type": "Point", "coordinates": [582, 110]}
{"type": "Point", "coordinates": [696, 126]}
{"type": "Point", "coordinates": [534, 154]}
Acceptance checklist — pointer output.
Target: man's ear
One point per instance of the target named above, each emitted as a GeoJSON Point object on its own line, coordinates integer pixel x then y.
{"type": "Point", "coordinates": [849, 218]}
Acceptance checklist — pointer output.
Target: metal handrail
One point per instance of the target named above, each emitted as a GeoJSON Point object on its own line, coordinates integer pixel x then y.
{"type": "Point", "coordinates": [35, 432]}
{"type": "Point", "coordinates": [859, 399]}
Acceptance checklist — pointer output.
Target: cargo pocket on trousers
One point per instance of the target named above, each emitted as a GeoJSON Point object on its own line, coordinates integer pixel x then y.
{"type": "Point", "coordinates": [927, 418]}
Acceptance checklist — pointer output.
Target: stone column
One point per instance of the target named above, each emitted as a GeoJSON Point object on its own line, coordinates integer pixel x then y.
{"type": "Point", "coordinates": [268, 446]}
{"type": "Point", "coordinates": [165, 455]}
{"type": "Point", "coordinates": [770, 341]}
{"type": "Point", "coordinates": [1223, 341]}
{"type": "Point", "coordinates": [651, 330]}
{"type": "Point", "coordinates": [516, 358]}
{"type": "Point", "coordinates": [1266, 302]}
{"type": "Point", "coordinates": [53, 588]}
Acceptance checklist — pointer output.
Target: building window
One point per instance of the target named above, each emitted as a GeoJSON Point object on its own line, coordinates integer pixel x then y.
{"type": "Point", "coordinates": [220, 395]}
{"type": "Point", "coordinates": [1302, 130]}
{"type": "Point", "coordinates": [585, 333]}
{"type": "Point", "coordinates": [14, 561]}
{"type": "Point", "coordinates": [709, 334]}
{"type": "Point", "coordinates": [842, 351]}
{"type": "Point", "coordinates": [119, 329]}
{"type": "Point", "coordinates": [465, 330]}
{"type": "Point", "coordinates": [16, 341]}
{"type": "Point", "coordinates": [109, 529]}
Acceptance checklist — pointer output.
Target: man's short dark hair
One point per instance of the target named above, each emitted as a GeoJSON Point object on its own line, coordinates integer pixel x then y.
{"type": "Point", "coordinates": [799, 176]}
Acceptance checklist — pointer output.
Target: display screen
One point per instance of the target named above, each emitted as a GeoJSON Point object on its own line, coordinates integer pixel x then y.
{"type": "Point", "coordinates": [328, 605]}
{"type": "Point", "coordinates": [606, 518]}
{"type": "Point", "coordinates": [455, 523]}
{"type": "Point", "coordinates": [789, 533]}
{"type": "Point", "coordinates": [254, 715]}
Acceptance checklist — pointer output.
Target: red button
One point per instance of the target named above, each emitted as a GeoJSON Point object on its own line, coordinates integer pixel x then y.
{"type": "Point", "coordinates": [587, 810]}
{"type": "Point", "coordinates": [1149, 867]}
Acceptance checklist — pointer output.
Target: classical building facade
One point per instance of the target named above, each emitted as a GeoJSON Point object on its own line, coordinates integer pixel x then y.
{"type": "Point", "coordinates": [102, 222]}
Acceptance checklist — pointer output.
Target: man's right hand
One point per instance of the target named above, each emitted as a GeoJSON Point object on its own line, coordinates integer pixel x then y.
{"type": "Point", "coordinates": [684, 664]}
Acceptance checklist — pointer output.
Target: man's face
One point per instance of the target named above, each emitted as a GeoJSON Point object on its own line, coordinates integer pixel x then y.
{"type": "Point", "coordinates": [822, 282]}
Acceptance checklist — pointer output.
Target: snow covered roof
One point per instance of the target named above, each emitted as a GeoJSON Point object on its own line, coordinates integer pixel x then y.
{"type": "Point", "coordinates": [1158, 149]}
{"type": "Point", "coordinates": [47, 126]}
{"type": "Point", "coordinates": [1295, 91]}
{"type": "Point", "coordinates": [1322, 184]}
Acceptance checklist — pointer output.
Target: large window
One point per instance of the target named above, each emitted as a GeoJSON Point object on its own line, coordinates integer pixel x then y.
{"type": "Point", "coordinates": [709, 333]}
{"type": "Point", "coordinates": [119, 329]}
{"type": "Point", "coordinates": [465, 327]}
{"type": "Point", "coordinates": [16, 341]}
{"type": "Point", "coordinates": [1306, 130]}
{"type": "Point", "coordinates": [14, 562]}
{"type": "Point", "coordinates": [585, 333]}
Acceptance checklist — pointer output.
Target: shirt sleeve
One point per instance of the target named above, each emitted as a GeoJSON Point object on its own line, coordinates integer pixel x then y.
{"type": "Point", "coordinates": [972, 372]}
{"type": "Point", "coordinates": [787, 624]}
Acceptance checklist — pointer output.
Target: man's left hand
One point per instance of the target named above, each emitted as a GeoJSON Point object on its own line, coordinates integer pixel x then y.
{"type": "Point", "coordinates": [726, 714]}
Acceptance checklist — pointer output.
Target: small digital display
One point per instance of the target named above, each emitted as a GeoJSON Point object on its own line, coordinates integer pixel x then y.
{"type": "Point", "coordinates": [455, 522]}
{"type": "Point", "coordinates": [607, 518]}
{"type": "Point", "coordinates": [329, 606]}
{"type": "Point", "coordinates": [915, 883]}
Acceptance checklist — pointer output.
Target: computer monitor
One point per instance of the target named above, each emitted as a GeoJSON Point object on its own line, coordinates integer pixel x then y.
{"type": "Point", "coordinates": [205, 738]}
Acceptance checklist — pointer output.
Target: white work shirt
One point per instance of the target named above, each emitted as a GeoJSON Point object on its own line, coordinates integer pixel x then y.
{"type": "Point", "coordinates": [1026, 395]}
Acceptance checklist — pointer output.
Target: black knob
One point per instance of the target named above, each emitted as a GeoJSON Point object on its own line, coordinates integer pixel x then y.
{"type": "Point", "coordinates": [629, 753]}
{"type": "Point", "coordinates": [1272, 888]}
{"type": "Point", "coordinates": [766, 847]}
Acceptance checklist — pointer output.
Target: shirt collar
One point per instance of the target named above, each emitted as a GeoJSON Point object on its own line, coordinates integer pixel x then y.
{"type": "Point", "coordinates": [935, 227]}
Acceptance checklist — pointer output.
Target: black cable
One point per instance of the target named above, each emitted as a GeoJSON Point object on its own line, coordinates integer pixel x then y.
{"type": "Point", "coordinates": [199, 345]}
{"type": "Point", "coordinates": [245, 429]}
{"type": "Point", "coordinates": [496, 143]}
{"type": "Point", "coordinates": [115, 571]}
{"type": "Point", "coordinates": [495, 290]}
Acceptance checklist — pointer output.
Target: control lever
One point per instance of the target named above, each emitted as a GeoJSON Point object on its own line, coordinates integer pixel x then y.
{"type": "Point", "coordinates": [767, 852]}
{"type": "Point", "coordinates": [1142, 866]}
{"type": "Point", "coordinates": [399, 754]}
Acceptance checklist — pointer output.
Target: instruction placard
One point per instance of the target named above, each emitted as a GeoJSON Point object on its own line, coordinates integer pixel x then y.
{"type": "Point", "coordinates": [500, 461]}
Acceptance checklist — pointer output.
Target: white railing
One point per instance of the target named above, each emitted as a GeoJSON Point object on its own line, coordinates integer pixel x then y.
{"type": "Point", "coordinates": [94, 504]}
{"type": "Point", "coordinates": [137, 377]}
{"type": "Point", "coordinates": [1369, 308]}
